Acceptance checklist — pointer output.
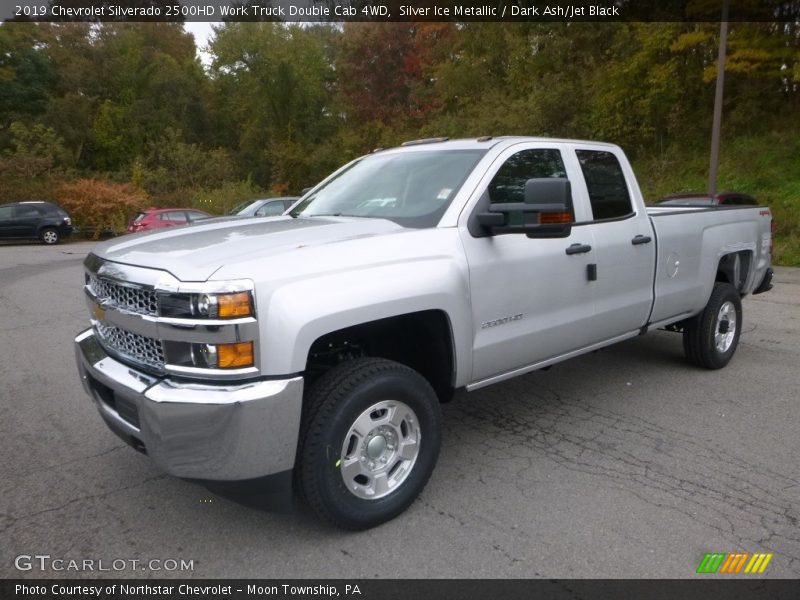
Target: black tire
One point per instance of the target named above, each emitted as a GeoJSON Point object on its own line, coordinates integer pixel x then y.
{"type": "Point", "coordinates": [332, 408]}
{"type": "Point", "coordinates": [49, 236]}
{"type": "Point", "coordinates": [705, 338]}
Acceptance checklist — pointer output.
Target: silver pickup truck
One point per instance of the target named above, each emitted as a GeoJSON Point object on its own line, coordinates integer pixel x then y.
{"type": "Point", "coordinates": [311, 351]}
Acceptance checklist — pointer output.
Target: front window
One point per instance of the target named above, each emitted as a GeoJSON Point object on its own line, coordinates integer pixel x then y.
{"type": "Point", "coordinates": [413, 189]}
{"type": "Point", "coordinates": [508, 185]}
{"type": "Point", "coordinates": [271, 209]}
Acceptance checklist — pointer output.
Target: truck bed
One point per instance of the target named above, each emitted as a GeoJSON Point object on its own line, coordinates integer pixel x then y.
{"type": "Point", "coordinates": [690, 242]}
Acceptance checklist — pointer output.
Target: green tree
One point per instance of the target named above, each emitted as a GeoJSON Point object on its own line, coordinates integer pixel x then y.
{"type": "Point", "coordinates": [271, 83]}
{"type": "Point", "coordinates": [26, 74]}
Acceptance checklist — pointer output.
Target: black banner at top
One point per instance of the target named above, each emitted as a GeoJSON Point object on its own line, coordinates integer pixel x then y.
{"type": "Point", "coordinates": [399, 11]}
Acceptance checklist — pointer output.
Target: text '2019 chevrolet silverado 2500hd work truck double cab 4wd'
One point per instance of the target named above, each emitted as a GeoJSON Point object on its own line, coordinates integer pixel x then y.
{"type": "Point", "coordinates": [312, 350]}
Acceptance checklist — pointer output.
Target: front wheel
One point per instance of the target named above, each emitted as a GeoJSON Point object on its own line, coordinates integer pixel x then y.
{"type": "Point", "coordinates": [710, 339]}
{"type": "Point", "coordinates": [371, 437]}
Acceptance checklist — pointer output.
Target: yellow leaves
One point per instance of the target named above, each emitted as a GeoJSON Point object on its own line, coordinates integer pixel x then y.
{"type": "Point", "coordinates": [692, 39]}
{"type": "Point", "coordinates": [747, 60]}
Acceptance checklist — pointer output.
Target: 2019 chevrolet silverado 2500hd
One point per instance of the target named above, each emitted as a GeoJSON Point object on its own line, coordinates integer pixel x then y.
{"type": "Point", "coordinates": [312, 350]}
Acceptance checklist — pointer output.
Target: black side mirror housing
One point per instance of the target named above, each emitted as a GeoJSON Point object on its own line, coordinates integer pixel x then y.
{"type": "Point", "coordinates": [546, 212]}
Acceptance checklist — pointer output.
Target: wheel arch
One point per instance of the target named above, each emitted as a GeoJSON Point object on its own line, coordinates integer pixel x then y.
{"type": "Point", "coordinates": [422, 340]}
{"type": "Point", "coordinates": [735, 268]}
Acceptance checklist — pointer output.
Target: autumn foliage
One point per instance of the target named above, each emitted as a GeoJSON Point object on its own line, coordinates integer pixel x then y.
{"type": "Point", "coordinates": [100, 206]}
{"type": "Point", "coordinates": [277, 107]}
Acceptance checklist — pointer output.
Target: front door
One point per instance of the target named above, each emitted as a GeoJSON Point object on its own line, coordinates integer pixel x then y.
{"type": "Point", "coordinates": [7, 221]}
{"type": "Point", "coordinates": [531, 300]}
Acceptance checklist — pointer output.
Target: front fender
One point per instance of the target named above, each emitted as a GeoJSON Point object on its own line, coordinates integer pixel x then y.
{"type": "Point", "coordinates": [300, 312]}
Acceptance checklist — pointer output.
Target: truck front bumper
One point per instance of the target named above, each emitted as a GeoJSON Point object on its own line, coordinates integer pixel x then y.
{"type": "Point", "coordinates": [232, 432]}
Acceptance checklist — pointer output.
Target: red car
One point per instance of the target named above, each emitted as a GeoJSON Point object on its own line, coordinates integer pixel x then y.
{"type": "Point", "coordinates": [700, 199]}
{"type": "Point", "coordinates": [158, 218]}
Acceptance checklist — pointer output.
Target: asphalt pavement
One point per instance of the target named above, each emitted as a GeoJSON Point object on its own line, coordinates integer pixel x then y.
{"type": "Point", "coordinates": [623, 463]}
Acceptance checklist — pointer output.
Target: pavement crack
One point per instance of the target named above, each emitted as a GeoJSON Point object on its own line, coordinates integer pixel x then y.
{"type": "Point", "coordinates": [12, 521]}
{"type": "Point", "coordinates": [71, 461]}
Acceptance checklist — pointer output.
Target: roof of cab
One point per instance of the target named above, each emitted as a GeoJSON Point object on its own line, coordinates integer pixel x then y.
{"type": "Point", "coordinates": [483, 143]}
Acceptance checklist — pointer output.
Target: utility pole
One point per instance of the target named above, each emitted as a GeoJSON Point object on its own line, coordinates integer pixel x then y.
{"type": "Point", "coordinates": [717, 124]}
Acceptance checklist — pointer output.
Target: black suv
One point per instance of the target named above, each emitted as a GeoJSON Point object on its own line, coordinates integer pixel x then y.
{"type": "Point", "coordinates": [34, 220]}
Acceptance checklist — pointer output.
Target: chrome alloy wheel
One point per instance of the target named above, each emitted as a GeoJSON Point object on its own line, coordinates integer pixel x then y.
{"type": "Point", "coordinates": [725, 329]}
{"type": "Point", "coordinates": [50, 237]}
{"type": "Point", "coordinates": [380, 449]}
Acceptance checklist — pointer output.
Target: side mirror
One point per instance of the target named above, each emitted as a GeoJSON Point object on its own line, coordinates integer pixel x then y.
{"type": "Point", "coordinates": [546, 212]}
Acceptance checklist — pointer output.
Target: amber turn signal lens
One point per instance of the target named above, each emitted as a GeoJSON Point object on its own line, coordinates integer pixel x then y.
{"type": "Point", "coordinates": [231, 356]}
{"type": "Point", "coordinates": [561, 218]}
{"type": "Point", "coordinates": [234, 305]}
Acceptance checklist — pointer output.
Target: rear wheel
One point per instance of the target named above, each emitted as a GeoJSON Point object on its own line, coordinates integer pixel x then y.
{"type": "Point", "coordinates": [711, 338]}
{"type": "Point", "coordinates": [371, 437]}
{"type": "Point", "coordinates": [49, 236]}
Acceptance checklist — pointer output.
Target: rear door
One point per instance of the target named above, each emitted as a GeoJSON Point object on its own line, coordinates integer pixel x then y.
{"type": "Point", "coordinates": [624, 243]}
{"type": "Point", "coordinates": [27, 219]}
{"type": "Point", "coordinates": [531, 300]}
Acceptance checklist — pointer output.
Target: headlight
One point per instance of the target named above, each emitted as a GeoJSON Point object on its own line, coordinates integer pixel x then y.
{"type": "Point", "coordinates": [206, 306]}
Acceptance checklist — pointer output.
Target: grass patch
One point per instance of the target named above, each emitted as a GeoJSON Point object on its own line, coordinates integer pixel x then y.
{"type": "Point", "coordinates": [766, 166]}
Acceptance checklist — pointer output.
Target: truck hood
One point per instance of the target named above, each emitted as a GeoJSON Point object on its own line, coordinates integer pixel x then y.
{"type": "Point", "coordinates": [195, 252]}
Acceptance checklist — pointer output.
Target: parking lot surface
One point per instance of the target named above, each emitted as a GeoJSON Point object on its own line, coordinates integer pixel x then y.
{"type": "Point", "coordinates": [623, 463]}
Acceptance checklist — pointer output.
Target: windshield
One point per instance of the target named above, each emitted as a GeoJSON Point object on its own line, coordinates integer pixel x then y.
{"type": "Point", "coordinates": [413, 189]}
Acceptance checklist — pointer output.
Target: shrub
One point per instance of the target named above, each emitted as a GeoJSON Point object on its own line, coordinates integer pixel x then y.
{"type": "Point", "coordinates": [100, 206]}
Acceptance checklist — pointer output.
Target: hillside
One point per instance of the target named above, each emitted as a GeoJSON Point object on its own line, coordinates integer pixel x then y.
{"type": "Point", "coordinates": [766, 166]}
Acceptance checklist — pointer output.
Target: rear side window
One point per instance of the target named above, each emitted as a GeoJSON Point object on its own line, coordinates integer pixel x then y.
{"type": "Point", "coordinates": [6, 212]}
{"type": "Point", "coordinates": [26, 212]}
{"type": "Point", "coordinates": [173, 217]}
{"type": "Point", "coordinates": [508, 184]}
{"type": "Point", "coordinates": [608, 190]}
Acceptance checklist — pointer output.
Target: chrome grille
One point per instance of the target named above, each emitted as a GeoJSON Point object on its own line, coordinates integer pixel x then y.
{"type": "Point", "coordinates": [133, 346]}
{"type": "Point", "coordinates": [131, 298]}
